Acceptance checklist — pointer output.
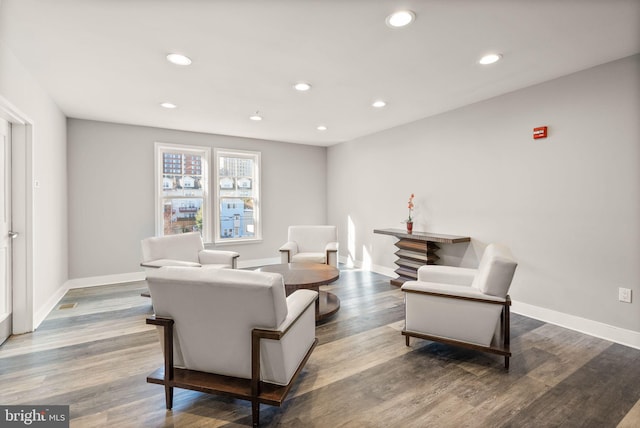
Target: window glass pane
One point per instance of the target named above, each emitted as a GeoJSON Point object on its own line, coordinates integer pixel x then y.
{"type": "Point", "coordinates": [238, 193]}
{"type": "Point", "coordinates": [237, 218]}
{"type": "Point", "coordinates": [182, 175]}
{"type": "Point", "coordinates": [182, 191]}
{"type": "Point", "coordinates": [182, 215]}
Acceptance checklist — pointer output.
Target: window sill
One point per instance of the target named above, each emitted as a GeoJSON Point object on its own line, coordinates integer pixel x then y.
{"type": "Point", "coordinates": [232, 242]}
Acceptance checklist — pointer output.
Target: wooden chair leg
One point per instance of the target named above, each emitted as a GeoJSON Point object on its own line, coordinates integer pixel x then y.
{"type": "Point", "coordinates": [168, 396]}
{"type": "Point", "coordinates": [167, 327]}
{"type": "Point", "coordinates": [406, 340]}
{"type": "Point", "coordinates": [255, 413]}
{"type": "Point", "coordinates": [507, 330]}
{"type": "Point", "coordinates": [507, 326]}
{"type": "Point", "coordinates": [255, 377]}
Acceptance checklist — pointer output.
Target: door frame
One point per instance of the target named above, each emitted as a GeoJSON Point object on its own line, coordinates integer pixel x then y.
{"type": "Point", "coordinates": [21, 215]}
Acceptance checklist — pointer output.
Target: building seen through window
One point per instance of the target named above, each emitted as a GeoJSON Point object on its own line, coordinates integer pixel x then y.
{"type": "Point", "coordinates": [238, 196]}
{"type": "Point", "coordinates": [182, 195]}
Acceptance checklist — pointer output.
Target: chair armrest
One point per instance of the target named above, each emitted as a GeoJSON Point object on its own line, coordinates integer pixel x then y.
{"type": "Point", "coordinates": [453, 291]}
{"type": "Point", "coordinates": [291, 247]}
{"type": "Point", "coordinates": [331, 246]}
{"type": "Point", "coordinates": [446, 274]}
{"type": "Point", "coordinates": [287, 251]}
{"type": "Point", "coordinates": [289, 345]}
{"type": "Point", "coordinates": [297, 303]}
{"type": "Point", "coordinates": [168, 262]}
{"type": "Point", "coordinates": [331, 251]}
{"type": "Point", "coordinates": [207, 257]}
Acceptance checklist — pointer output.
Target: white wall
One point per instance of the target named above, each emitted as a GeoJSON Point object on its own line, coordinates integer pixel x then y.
{"type": "Point", "coordinates": [568, 206]}
{"type": "Point", "coordinates": [111, 192]}
{"type": "Point", "coordinates": [49, 168]}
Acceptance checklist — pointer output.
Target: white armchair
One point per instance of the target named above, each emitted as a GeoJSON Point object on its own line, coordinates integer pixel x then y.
{"type": "Point", "coordinates": [460, 306]}
{"type": "Point", "coordinates": [311, 244]}
{"type": "Point", "coordinates": [234, 333]}
{"type": "Point", "coordinates": [186, 249]}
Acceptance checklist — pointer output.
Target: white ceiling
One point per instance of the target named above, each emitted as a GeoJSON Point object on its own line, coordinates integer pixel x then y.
{"type": "Point", "coordinates": [105, 59]}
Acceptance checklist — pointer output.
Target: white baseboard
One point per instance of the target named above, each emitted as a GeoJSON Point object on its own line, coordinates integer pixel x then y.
{"type": "Point", "coordinates": [583, 325]}
{"type": "Point", "coordinates": [373, 268]}
{"type": "Point", "coordinates": [49, 306]}
{"type": "Point", "coordinates": [94, 281]}
{"type": "Point", "coordinates": [384, 271]}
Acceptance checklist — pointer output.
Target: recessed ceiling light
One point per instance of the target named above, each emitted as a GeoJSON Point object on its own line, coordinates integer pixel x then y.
{"type": "Point", "coordinates": [400, 19]}
{"type": "Point", "coordinates": [321, 128]}
{"type": "Point", "coordinates": [490, 59]}
{"type": "Point", "coordinates": [256, 116]}
{"type": "Point", "coordinates": [178, 59]}
{"type": "Point", "coordinates": [168, 105]}
{"type": "Point", "coordinates": [302, 86]}
{"type": "Point", "coordinates": [379, 104]}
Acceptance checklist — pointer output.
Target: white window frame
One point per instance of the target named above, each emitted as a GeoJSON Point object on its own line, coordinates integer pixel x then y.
{"type": "Point", "coordinates": [203, 151]}
{"type": "Point", "coordinates": [256, 185]}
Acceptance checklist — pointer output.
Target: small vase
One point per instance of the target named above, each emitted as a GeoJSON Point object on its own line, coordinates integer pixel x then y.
{"type": "Point", "coordinates": [409, 227]}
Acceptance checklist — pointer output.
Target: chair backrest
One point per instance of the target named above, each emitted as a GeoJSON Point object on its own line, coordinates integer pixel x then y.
{"type": "Point", "coordinates": [495, 271]}
{"type": "Point", "coordinates": [184, 247]}
{"type": "Point", "coordinates": [312, 238]}
{"type": "Point", "coordinates": [214, 313]}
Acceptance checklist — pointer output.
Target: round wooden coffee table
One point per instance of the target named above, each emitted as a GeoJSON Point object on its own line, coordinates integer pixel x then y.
{"type": "Point", "coordinates": [310, 276]}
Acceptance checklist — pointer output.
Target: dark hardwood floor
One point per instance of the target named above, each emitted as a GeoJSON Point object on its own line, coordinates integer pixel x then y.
{"type": "Point", "coordinates": [96, 356]}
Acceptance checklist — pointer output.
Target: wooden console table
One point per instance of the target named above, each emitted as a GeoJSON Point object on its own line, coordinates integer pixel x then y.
{"type": "Point", "coordinates": [417, 249]}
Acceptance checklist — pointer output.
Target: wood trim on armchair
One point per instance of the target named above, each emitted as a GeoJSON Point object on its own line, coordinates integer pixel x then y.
{"type": "Point", "coordinates": [149, 266]}
{"type": "Point", "coordinates": [167, 328]}
{"type": "Point", "coordinates": [507, 300]}
{"type": "Point", "coordinates": [288, 255]}
{"type": "Point", "coordinates": [257, 386]}
{"type": "Point", "coordinates": [253, 389]}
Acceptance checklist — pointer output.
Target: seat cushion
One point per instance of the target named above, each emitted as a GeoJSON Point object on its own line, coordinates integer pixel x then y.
{"type": "Point", "coordinates": [170, 262]}
{"type": "Point", "coordinates": [215, 266]}
{"type": "Point", "coordinates": [309, 258]}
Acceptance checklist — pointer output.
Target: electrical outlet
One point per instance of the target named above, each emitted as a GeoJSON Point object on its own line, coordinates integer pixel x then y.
{"type": "Point", "coordinates": [624, 295]}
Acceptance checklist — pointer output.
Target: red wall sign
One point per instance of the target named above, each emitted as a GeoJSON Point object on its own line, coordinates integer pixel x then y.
{"type": "Point", "coordinates": [539, 132]}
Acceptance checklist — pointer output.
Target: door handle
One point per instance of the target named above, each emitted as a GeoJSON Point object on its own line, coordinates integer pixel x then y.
{"type": "Point", "coordinates": [13, 235]}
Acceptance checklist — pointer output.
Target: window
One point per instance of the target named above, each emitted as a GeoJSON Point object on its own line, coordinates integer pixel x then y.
{"type": "Point", "coordinates": [237, 175]}
{"type": "Point", "coordinates": [182, 197]}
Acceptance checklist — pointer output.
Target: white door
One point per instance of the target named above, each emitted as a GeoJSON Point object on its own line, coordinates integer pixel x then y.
{"type": "Point", "coordinates": [5, 230]}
